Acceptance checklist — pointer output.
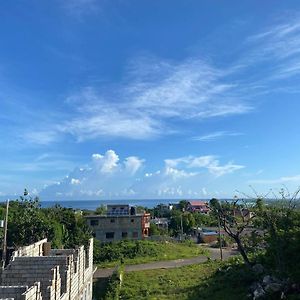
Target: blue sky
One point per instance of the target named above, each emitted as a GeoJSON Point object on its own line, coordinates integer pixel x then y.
{"type": "Point", "coordinates": [149, 99]}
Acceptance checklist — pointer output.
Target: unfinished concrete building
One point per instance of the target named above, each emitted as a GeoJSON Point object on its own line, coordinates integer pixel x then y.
{"type": "Point", "coordinates": [121, 222]}
{"type": "Point", "coordinates": [37, 272]}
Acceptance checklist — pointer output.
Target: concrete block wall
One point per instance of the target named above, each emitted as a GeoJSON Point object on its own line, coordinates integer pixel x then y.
{"type": "Point", "coordinates": [35, 249]}
{"type": "Point", "coordinates": [14, 292]}
{"type": "Point", "coordinates": [65, 274]}
{"type": "Point", "coordinates": [31, 269]}
{"type": "Point", "coordinates": [21, 292]}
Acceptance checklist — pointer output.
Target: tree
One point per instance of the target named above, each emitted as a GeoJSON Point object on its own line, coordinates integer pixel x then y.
{"type": "Point", "coordinates": [175, 222]}
{"type": "Point", "coordinates": [182, 205]}
{"type": "Point", "coordinates": [27, 223]}
{"type": "Point", "coordinates": [234, 218]}
{"type": "Point", "coordinates": [181, 218]}
{"type": "Point", "coordinates": [160, 211]}
{"type": "Point", "coordinates": [205, 220]}
{"type": "Point", "coordinates": [101, 210]}
{"type": "Point", "coordinates": [75, 231]}
{"type": "Point", "coordinates": [188, 222]}
{"type": "Point", "coordinates": [281, 221]}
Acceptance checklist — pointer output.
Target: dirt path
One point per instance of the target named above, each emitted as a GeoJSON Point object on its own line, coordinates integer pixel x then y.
{"type": "Point", "coordinates": [168, 264]}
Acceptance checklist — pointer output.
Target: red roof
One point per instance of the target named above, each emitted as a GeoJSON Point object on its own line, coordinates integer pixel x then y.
{"type": "Point", "coordinates": [198, 203]}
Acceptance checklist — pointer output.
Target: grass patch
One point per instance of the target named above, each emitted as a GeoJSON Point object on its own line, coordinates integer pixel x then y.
{"type": "Point", "coordinates": [201, 281]}
{"type": "Point", "coordinates": [137, 252]}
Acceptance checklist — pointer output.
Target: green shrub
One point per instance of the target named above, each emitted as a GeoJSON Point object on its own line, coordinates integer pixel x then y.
{"type": "Point", "coordinates": [135, 252]}
{"type": "Point", "coordinates": [124, 249]}
{"type": "Point", "coordinates": [114, 285]}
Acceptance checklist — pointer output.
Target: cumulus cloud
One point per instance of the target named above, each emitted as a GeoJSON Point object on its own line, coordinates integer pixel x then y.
{"type": "Point", "coordinates": [108, 176]}
{"type": "Point", "coordinates": [105, 175]}
{"type": "Point", "coordinates": [133, 164]}
{"type": "Point", "coordinates": [106, 163]}
{"type": "Point", "coordinates": [176, 174]}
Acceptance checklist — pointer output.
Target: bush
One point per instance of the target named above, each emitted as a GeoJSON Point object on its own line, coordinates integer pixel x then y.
{"type": "Point", "coordinates": [114, 285]}
{"type": "Point", "coordinates": [125, 249]}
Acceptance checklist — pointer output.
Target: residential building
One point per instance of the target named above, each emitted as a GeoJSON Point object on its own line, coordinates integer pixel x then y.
{"type": "Point", "coordinates": [120, 222]}
{"type": "Point", "coordinates": [37, 272]}
{"type": "Point", "coordinates": [160, 222]}
{"type": "Point", "coordinates": [198, 206]}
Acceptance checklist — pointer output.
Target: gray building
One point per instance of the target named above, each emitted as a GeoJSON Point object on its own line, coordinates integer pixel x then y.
{"type": "Point", "coordinates": [37, 272]}
{"type": "Point", "coordinates": [120, 222]}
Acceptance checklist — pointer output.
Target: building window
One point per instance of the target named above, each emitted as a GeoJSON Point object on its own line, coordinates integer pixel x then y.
{"type": "Point", "coordinates": [135, 234]}
{"type": "Point", "coordinates": [109, 235]}
{"type": "Point", "coordinates": [132, 220]}
{"type": "Point", "coordinates": [94, 222]}
{"type": "Point", "coordinates": [112, 220]}
{"type": "Point", "coordinates": [124, 235]}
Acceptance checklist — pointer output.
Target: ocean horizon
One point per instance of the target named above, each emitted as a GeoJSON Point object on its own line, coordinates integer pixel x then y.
{"type": "Point", "coordinates": [93, 204]}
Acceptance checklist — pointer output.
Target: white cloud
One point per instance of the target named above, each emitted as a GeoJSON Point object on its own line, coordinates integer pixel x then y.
{"type": "Point", "coordinates": [278, 48]}
{"type": "Point", "coordinates": [156, 96]}
{"type": "Point", "coordinates": [209, 162]}
{"type": "Point", "coordinates": [96, 118]}
{"type": "Point", "coordinates": [202, 161]}
{"type": "Point", "coordinates": [42, 137]}
{"type": "Point", "coordinates": [177, 174]}
{"type": "Point", "coordinates": [228, 168]}
{"type": "Point", "coordinates": [189, 89]}
{"type": "Point", "coordinates": [105, 176]}
{"type": "Point", "coordinates": [106, 163]}
{"type": "Point", "coordinates": [215, 135]}
{"type": "Point", "coordinates": [153, 92]}
{"type": "Point", "coordinates": [133, 164]}
{"type": "Point", "coordinates": [108, 176]}
{"type": "Point", "coordinates": [75, 181]}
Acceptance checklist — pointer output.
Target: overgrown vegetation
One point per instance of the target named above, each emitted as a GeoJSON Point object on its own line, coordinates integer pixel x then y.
{"type": "Point", "coordinates": [234, 219]}
{"type": "Point", "coordinates": [211, 280]}
{"type": "Point", "coordinates": [28, 223]}
{"type": "Point", "coordinates": [282, 239]}
{"type": "Point", "coordinates": [113, 288]}
{"type": "Point", "coordinates": [135, 252]}
{"type": "Point", "coordinates": [273, 241]}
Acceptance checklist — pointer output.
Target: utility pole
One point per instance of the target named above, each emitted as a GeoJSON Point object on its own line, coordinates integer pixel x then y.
{"type": "Point", "coordinates": [220, 239]}
{"type": "Point", "coordinates": [5, 236]}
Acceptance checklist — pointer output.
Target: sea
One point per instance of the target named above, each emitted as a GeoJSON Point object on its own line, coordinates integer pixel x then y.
{"type": "Point", "coordinates": [93, 204]}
